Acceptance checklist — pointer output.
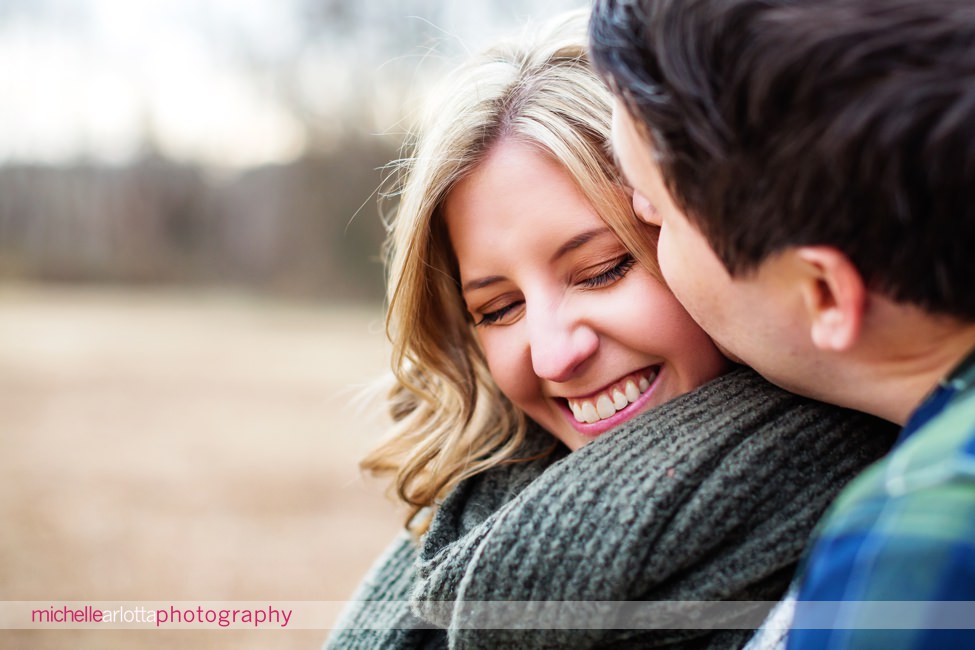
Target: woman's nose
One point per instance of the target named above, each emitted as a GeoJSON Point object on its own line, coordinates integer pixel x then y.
{"type": "Point", "coordinates": [644, 210]}
{"type": "Point", "coordinates": [560, 344]}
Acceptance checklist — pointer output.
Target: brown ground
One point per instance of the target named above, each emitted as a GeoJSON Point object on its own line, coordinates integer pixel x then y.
{"type": "Point", "coordinates": [163, 446]}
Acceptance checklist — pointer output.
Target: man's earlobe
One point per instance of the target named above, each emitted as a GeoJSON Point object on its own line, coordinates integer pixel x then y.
{"type": "Point", "coordinates": [834, 295]}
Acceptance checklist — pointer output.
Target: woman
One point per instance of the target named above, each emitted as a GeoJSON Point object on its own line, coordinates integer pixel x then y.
{"type": "Point", "coordinates": [528, 321]}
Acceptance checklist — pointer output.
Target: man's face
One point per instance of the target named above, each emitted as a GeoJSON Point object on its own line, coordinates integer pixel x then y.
{"type": "Point", "coordinates": [750, 318]}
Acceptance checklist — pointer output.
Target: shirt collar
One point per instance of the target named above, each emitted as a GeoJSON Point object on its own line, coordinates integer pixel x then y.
{"type": "Point", "coordinates": [958, 380]}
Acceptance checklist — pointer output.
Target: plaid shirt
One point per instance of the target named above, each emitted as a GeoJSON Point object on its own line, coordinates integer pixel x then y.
{"type": "Point", "coordinates": [902, 531]}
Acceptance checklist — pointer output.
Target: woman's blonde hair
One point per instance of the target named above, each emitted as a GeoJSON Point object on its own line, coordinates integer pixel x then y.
{"type": "Point", "coordinates": [450, 420]}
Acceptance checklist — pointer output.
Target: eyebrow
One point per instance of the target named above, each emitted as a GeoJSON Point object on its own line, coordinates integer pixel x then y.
{"type": "Point", "coordinates": [480, 283]}
{"type": "Point", "coordinates": [579, 240]}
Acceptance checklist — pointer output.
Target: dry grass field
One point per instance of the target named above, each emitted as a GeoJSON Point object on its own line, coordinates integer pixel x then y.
{"type": "Point", "coordinates": [166, 446]}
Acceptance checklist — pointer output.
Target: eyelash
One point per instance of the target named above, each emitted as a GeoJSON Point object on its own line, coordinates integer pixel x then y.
{"type": "Point", "coordinates": [493, 317]}
{"type": "Point", "coordinates": [620, 269]}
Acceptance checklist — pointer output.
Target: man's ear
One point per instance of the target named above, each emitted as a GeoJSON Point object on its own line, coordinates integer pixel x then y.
{"type": "Point", "coordinates": [834, 295]}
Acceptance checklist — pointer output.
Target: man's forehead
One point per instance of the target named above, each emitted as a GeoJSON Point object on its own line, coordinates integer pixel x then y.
{"type": "Point", "coordinates": [631, 150]}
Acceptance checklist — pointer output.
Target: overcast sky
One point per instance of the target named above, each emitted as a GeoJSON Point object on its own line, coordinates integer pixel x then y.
{"type": "Point", "coordinates": [92, 77]}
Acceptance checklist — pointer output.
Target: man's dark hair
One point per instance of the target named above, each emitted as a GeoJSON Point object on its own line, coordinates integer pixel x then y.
{"type": "Point", "coordinates": [780, 123]}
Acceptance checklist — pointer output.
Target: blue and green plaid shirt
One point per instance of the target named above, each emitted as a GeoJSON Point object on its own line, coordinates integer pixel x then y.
{"type": "Point", "coordinates": [902, 531]}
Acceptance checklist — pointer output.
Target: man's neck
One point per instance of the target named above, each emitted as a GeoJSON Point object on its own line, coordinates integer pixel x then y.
{"type": "Point", "coordinates": [897, 381]}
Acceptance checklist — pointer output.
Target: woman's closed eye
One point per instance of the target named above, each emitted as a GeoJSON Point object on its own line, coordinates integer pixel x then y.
{"type": "Point", "coordinates": [596, 277]}
{"type": "Point", "coordinates": [495, 316]}
{"type": "Point", "coordinates": [607, 276]}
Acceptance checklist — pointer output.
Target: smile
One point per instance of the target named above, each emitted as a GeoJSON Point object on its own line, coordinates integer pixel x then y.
{"type": "Point", "coordinates": [606, 403]}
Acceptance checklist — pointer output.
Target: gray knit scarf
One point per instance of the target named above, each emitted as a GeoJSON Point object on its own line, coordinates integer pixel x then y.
{"type": "Point", "coordinates": [710, 496]}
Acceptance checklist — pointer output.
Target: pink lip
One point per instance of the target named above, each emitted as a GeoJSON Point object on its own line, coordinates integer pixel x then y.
{"type": "Point", "coordinates": [602, 426]}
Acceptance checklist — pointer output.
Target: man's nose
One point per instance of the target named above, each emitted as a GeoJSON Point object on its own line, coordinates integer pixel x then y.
{"type": "Point", "coordinates": [645, 212]}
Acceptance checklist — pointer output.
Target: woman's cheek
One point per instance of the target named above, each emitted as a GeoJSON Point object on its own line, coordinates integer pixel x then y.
{"type": "Point", "coordinates": [506, 363]}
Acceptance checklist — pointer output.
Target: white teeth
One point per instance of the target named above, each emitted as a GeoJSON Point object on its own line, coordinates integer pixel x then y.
{"type": "Point", "coordinates": [589, 414]}
{"type": "Point", "coordinates": [605, 408]}
{"type": "Point", "coordinates": [576, 412]}
{"type": "Point", "coordinates": [619, 399]}
{"type": "Point", "coordinates": [607, 404]}
{"type": "Point", "coordinates": [632, 392]}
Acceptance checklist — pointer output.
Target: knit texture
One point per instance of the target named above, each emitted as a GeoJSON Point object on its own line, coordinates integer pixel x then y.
{"type": "Point", "coordinates": [379, 615]}
{"type": "Point", "coordinates": [710, 496]}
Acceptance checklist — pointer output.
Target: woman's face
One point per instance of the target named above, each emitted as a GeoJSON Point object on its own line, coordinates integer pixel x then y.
{"type": "Point", "coordinates": [575, 333]}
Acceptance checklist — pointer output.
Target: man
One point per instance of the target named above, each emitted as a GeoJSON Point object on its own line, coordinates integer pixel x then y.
{"type": "Point", "coordinates": [811, 165]}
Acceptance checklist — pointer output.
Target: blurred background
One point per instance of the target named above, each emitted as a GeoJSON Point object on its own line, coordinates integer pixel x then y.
{"type": "Point", "coordinates": [191, 293]}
